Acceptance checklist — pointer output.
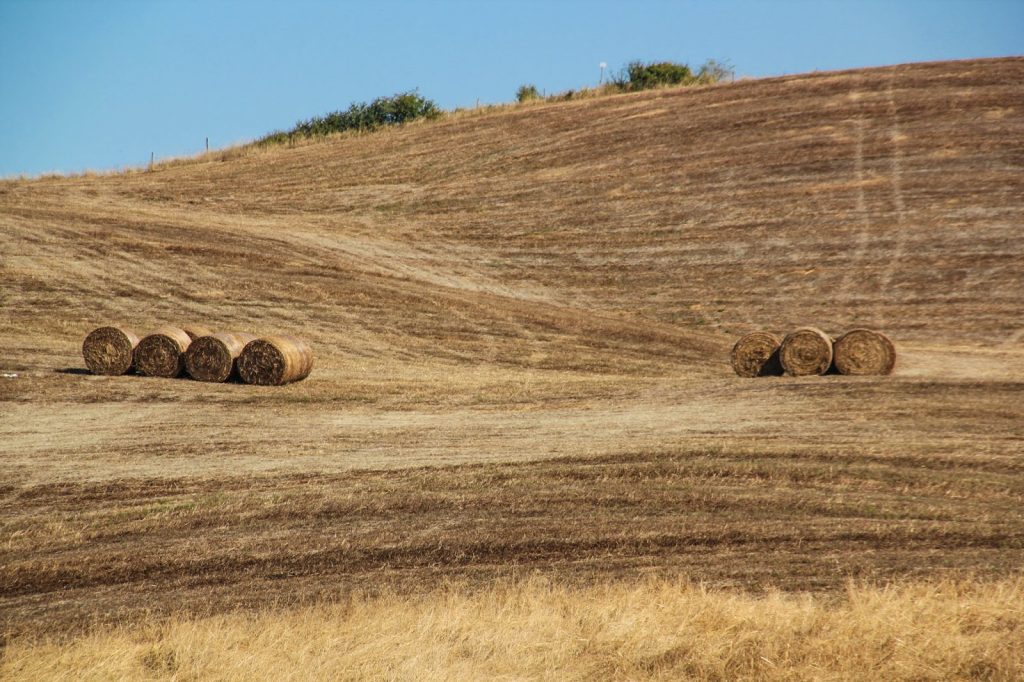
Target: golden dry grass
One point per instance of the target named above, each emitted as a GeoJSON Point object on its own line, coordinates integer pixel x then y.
{"type": "Point", "coordinates": [654, 630]}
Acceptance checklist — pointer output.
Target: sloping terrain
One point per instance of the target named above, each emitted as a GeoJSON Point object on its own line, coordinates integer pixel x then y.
{"type": "Point", "coordinates": [525, 310]}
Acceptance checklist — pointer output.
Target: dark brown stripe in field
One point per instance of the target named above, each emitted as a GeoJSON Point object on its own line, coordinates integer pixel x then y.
{"type": "Point", "coordinates": [738, 519]}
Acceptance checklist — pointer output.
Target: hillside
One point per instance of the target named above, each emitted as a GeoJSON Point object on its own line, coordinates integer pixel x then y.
{"type": "Point", "coordinates": [522, 321]}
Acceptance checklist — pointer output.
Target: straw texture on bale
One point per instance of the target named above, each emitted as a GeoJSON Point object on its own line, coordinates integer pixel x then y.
{"type": "Point", "coordinates": [275, 360]}
{"type": "Point", "coordinates": [195, 331]}
{"type": "Point", "coordinates": [756, 355]}
{"type": "Point", "coordinates": [214, 357]}
{"type": "Point", "coordinates": [864, 352]}
{"type": "Point", "coordinates": [109, 350]}
{"type": "Point", "coordinates": [806, 351]}
{"type": "Point", "coordinates": [162, 353]}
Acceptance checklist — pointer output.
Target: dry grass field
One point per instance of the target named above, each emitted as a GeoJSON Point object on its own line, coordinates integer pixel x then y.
{"type": "Point", "coordinates": [653, 630]}
{"type": "Point", "coordinates": [522, 321]}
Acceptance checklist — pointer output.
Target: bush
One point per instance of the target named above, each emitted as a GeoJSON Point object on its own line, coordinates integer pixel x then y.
{"type": "Point", "coordinates": [640, 76]}
{"type": "Point", "coordinates": [383, 111]}
{"type": "Point", "coordinates": [714, 71]}
{"type": "Point", "coordinates": [643, 76]}
{"type": "Point", "coordinates": [525, 93]}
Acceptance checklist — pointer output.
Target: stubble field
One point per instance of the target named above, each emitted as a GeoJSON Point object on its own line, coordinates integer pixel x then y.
{"type": "Point", "coordinates": [522, 321]}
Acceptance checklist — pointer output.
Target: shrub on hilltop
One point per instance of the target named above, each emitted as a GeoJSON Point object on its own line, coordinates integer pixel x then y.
{"type": "Point", "coordinates": [525, 93]}
{"type": "Point", "coordinates": [383, 111]}
{"type": "Point", "coordinates": [639, 75]}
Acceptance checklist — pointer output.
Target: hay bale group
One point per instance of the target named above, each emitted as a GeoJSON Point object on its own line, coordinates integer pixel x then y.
{"type": "Point", "coordinates": [199, 353]}
{"type": "Point", "coordinates": [281, 359]}
{"type": "Point", "coordinates": [808, 351]}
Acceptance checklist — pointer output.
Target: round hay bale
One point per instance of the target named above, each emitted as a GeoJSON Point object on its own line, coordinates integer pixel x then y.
{"type": "Point", "coordinates": [214, 357]}
{"type": "Point", "coordinates": [756, 355]}
{"type": "Point", "coordinates": [865, 352]}
{"type": "Point", "coordinates": [275, 360]}
{"type": "Point", "coordinates": [195, 331]}
{"type": "Point", "coordinates": [162, 353]}
{"type": "Point", "coordinates": [806, 351]}
{"type": "Point", "coordinates": [110, 350]}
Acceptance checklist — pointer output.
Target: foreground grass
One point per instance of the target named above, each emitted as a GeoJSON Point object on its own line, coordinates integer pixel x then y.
{"type": "Point", "coordinates": [651, 630]}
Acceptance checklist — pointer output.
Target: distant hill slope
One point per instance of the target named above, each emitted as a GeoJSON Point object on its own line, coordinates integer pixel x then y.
{"type": "Point", "coordinates": [888, 197]}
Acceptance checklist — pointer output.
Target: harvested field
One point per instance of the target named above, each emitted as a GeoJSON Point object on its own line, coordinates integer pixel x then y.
{"type": "Point", "coordinates": [736, 517]}
{"type": "Point", "coordinates": [523, 322]}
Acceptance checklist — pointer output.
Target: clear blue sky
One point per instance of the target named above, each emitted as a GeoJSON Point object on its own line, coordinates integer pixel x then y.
{"type": "Point", "coordinates": [92, 84]}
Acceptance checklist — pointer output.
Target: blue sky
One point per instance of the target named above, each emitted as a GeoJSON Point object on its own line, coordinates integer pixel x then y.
{"type": "Point", "coordinates": [93, 84]}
